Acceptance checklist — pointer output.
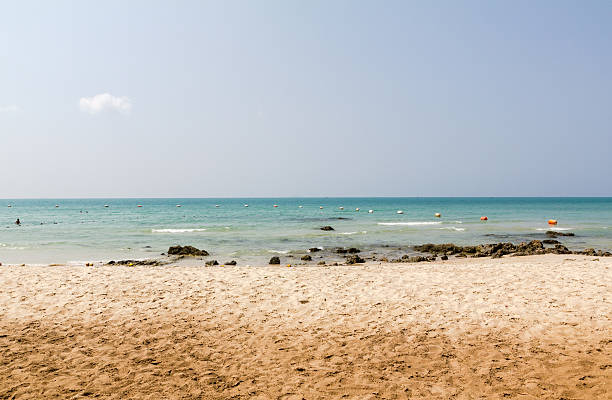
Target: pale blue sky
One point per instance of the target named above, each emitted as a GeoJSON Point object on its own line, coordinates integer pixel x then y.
{"type": "Point", "coordinates": [309, 98]}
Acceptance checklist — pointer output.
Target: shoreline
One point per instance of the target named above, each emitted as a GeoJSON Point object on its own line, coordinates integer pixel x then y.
{"type": "Point", "coordinates": [337, 256]}
{"type": "Point", "coordinates": [534, 326]}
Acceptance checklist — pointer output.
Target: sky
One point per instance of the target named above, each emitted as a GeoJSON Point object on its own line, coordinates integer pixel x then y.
{"type": "Point", "coordinates": [305, 98]}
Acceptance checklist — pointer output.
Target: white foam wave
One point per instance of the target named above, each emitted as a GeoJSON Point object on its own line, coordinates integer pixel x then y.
{"type": "Point", "coordinates": [178, 230]}
{"type": "Point", "coordinates": [554, 229]}
{"type": "Point", "coordinates": [7, 247]}
{"type": "Point", "coordinates": [453, 228]}
{"type": "Point", "coordinates": [410, 223]}
{"type": "Point", "coordinates": [278, 251]}
{"type": "Point", "coordinates": [347, 233]}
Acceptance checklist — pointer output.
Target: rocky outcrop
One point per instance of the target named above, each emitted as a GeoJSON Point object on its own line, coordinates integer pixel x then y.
{"type": "Point", "coordinates": [327, 228]}
{"type": "Point", "coordinates": [233, 262]}
{"type": "Point", "coordinates": [186, 251]}
{"type": "Point", "coordinates": [211, 263]}
{"type": "Point", "coordinates": [354, 259]}
{"type": "Point", "coordinates": [274, 261]}
{"type": "Point", "coordinates": [136, 262]}
{"type": "Point", "coordinates": [314, 249]}
{"type": "Point", "coordinates": [554, 234]}
{"type": "Point", "coordinates": [498, 250]}
{"type": "Point", "coordinates": [306, 258]}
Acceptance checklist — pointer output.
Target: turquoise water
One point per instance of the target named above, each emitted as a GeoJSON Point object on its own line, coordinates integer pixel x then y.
{"type": "Point", "coordinates": [85, 230]}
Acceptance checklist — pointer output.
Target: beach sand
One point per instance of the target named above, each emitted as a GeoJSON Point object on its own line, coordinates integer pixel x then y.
{"type": "Point", "coordinates": [516, 327]}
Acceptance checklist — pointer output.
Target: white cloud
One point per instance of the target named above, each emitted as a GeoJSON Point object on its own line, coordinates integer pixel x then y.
{"type": "Point", "coordinates": [105, 101]}
{"type": "Point", "coordinates": [11, 108]}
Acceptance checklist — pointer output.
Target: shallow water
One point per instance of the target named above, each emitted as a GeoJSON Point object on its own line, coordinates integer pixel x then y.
{"type": "Point", "coordinates": [84, 230]}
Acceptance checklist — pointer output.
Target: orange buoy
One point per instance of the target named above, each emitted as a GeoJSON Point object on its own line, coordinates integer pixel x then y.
{"type": "Point", "coordinates": [552, 222]}
{"type": "Point", "coordinates": [437, 215]}
{"type": "Point", "coordinates": [484, 218]}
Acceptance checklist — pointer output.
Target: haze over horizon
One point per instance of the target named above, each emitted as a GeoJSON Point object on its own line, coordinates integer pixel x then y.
{"type": "Point", "coordinates": [284, 99]}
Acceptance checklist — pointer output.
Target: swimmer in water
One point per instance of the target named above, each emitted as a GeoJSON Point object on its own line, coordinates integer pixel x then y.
{"type": "Point", "coordinates": [17, 222]}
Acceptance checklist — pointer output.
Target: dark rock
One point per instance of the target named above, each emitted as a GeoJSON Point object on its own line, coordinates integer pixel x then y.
{"type": "Point", "coordinates": [444, 257]}
{"type": "Point", "coordinates": [554, 234]}
{"type": "Point", "coordinates": [353, 250]}
{"type": "Point", "coordinates": [354, 259]}
{"type": "Point", "coordinates": [233, 262]}
{"type": "Point", "coordinates": [560, 249]}
{"type": "Point", "coordinates": [341, 251]}
{"type": "Point", "coordinates": [551, 241]}
{"type": "Point", "coordinates": [306, 258]}
{"type": "Point", "coordinates": [321, 263]}
{"type": "Point", "coordinates": [327, 228]}
{"type": "Point", "coordinates": [314, 249]}
{"type": "Point", "coordinates": [211, 263]}
{"type": "Point", "coordinates": [445, 248]}
{"type": "Point", "coordinates": [136, 262]}
{"type": "Point", "coordinates": [274, 261]}
{"type": "Point", "coordinates": [186, 251]}
{"type": "Point", "coordinates": [384, 259]}
{"type": "Point", "coordinates": [588, 252]}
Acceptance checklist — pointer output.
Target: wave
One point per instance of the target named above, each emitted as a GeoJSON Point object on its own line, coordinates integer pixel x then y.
{"type": "Point", "coordinates": [453, 228]}
{"type": "Point", "coordinates": [410, 223]}
{"type": "Point", "coordinates": [278, 251]}
{"type": "Point", "coordinates": [186, 230]}
{"type": "Point", "coordinates": [554, 229]}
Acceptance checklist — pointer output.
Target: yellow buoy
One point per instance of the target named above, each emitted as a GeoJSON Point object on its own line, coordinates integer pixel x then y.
{"type": "Point", "coordinates": [552, 222]}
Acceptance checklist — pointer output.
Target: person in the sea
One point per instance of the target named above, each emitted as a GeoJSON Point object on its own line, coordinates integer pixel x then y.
{"type": "Point", "coordinates": [17, 222]}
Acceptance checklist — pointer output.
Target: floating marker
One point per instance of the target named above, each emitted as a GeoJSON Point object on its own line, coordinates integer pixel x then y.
{"type": "Point", "coordinates": [357, 209]}
{"type": "Point", "coordinates": [371, 211]}
{"type": "Point", "coordinates": [437, 215]}
{"type": "Point", "coordinates": [178, 205]}
{"type": "Point", "coordinates": [300, 206]}
{"type": "Point", "coordinates": [275, 205]}
{"type": "Point", "coordinates": [217, 205]}
{"type": "Point", "coordinates": [552, 222]}
{"type": "Point", "coordinates": [57, 206]}
{"type": "Point", "coordinates": [9, 206]}
{"type": "Point", "coordinates": [139, 205]}
{"type": "Point", "coordinates": [484, 218]}
{"type": "Point", "coordinates": [321, 207]}
{"type": "Point", "coordinates": [342, 208]}
{"type": "Point", "coordinates": [105, 205]}
{"type": "Point", "coordinates": [400, 212]}
{"type": "Point", "coordinates": [246, 205]}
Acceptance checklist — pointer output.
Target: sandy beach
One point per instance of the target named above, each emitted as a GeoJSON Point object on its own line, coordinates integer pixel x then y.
{"type": "Point", "coordinates": [516, 327]}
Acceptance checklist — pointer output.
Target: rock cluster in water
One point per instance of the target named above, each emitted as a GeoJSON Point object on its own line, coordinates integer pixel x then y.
{"type": "Point", "coordinates": [186, 251]}
{"type": "Point", "coordinates": [554, 234]}
{"type": "Point", "coordinates": [498, 250]}
{"type": "Point", "coordinates": [327, 228]}
{"type": "Point", "coordinates": [136, 262]}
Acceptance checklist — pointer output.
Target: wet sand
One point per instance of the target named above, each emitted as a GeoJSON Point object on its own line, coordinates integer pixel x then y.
{"type": "Point", "coordinates": [516, 327]}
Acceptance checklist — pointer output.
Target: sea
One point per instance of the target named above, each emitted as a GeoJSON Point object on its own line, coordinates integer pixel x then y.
{"type": "Point", "coordinates": [251, 230]}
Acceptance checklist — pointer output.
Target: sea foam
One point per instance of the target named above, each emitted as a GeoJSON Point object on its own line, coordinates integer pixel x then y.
{"type": "Point", "coordinates": [186, 230]}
